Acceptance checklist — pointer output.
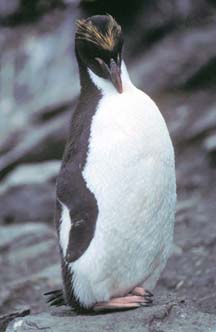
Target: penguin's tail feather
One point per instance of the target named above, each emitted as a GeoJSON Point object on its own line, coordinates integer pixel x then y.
{"type": "Point", "coordinates": [55, 298]}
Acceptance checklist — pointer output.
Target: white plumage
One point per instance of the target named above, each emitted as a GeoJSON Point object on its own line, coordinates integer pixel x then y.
{"type": "Point", "coordinates": [130, 170]}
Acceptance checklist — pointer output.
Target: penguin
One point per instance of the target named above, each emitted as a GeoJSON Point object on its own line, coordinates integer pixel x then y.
{"type": "Point", "coordinates": [116, 190]}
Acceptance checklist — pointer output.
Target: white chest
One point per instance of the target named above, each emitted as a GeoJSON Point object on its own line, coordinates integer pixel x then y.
{"type": "Point", "coordinates": [128, 141]}
{"type": "Point", "coordinates": [130, 170]}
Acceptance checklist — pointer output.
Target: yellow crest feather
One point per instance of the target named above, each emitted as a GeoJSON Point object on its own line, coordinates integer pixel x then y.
{"type": "Point", "coordinates": [86, 30]}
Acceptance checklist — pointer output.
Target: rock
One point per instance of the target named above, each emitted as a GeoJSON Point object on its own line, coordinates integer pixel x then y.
{"type": "Point", "coordinates": [5, 319]}
{"type": "Point", "coordinates": [184, 318]}
{"type": "Point", "coordinates": [29, 254]}
{"type": "Point", "coordinates": [26, 174]}
{"type": "Point", "coordinates": [8, 8]}
{"type": "Point", "coordinates": [210, 143]}
{"type": "Point", "coordinates": [176, 250]}
{"type": "Point", "coordinates": [38, 70]}
{"type": "Point", "coordinates": [203, 124]}
{"type": "Point", "coordinates": [11, 235]}
{"type": "Point", "coordinates": [20, 248]}
{"type": "Point", "coordinates": [24, 203]}
{"type": "Point", "coordinates": [19, 12]}
{"type": "Point", "coordinates": [161, 68]}
{"type": "Point", "coordinates": [189, 115]}
{"type": "Point", "coordinates": [186, 204]}
{"type": "Point", "coordinates": [39, 143]}
{"type": "Point", "coordinates": [51, 272]}
{"type": "Point", "coordinates": [210, 147]}
{"type": "Point", "coordinates": [164, 317]}
{"type": "Point", "coordinates": [150, 18]}
{"type": "Point", "coordinates": [159, 18]}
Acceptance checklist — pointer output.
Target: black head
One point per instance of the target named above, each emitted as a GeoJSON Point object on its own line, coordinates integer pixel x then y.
{"type": "Point", "coordinates": [99, 43]}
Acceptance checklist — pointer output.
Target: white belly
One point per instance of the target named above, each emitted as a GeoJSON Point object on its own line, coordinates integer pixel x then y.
{"type": "Point", "coordinates": [130, 170]}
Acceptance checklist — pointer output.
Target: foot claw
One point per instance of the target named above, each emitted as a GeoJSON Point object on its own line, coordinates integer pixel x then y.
{"type": "Point", "coordinates": [141, 292]}
{"type": "Point", "coordinates": [147, 292]}
{"type": "Point", "coordinates": [148, 300]}
{"type": "Point", "coordinates": [144, 304]}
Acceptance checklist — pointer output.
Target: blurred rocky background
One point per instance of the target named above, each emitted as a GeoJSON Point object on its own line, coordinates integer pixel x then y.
{"type": "Point", "coordinates": [170, 49]}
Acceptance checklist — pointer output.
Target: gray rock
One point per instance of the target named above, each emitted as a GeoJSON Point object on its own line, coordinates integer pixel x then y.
{"type": "Point", "coordinates": [11, 235]}
{"type": "Point", "coordinates": [52, 272]}
{"type": "Point", "coordinates": [158, 18]}
{"type": "Point", "coordinates": [165, 317]}
{"type": "Point", "coordinates": [71, 2]}
{"type": "Point", "coordinates": [21, 246]}
{"type": "Point", "coordinates": [26, 203]}
{"type": "Point", "coordinates": [203, 124]}
{"type": "Point", "coordinates": [5, 319]}
{"type": "Point", "coordinates": [19, 11]}
{"type": "Point", "coordinates": [162, 68]}
{"type": "Point", "coordinates": [184, 318]}
{"type": "Point", "coordinates": [210, 143]}
{"type": "Point", "coordinates": [38, 143]}
{"type": "Point", "coordinates": [186, 204]}
{"type": "Point", "coordinates": [210, 147]}
{"type": "Point", "coordinates": [37, 69]}
{"type": "Point", "coordinates": [29, 254]}
{"type": "Point", "coordinates": [8, 8]}
{"type": "Point", "coordinates": [26, 174]}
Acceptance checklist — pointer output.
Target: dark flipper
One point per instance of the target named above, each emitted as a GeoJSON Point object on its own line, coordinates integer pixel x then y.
{"type": "Point", "coordinates": [83, 210]}
{"type": "Point", "coordinates": [55, 298]}
{"type": "Point", "coordinates": [72, 189]}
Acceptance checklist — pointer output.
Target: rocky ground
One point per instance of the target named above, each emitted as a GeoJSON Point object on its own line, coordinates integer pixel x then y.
{"type": "Point", "coordinates": [171, 53]}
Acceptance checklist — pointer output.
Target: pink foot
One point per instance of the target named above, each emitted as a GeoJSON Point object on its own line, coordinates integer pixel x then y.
{"type": "Point", "coordinates": [140, 291]}
{"type": "Point", "coordinates": [130, 301]}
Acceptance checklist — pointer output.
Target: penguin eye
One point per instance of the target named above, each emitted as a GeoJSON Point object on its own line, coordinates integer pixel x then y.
{"type": "Point", "coordinates": [102, 63]}
{"type": "Point", "coordinates": [99, 61]}
{"type": "Point", "coordinates": [100, 67]}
